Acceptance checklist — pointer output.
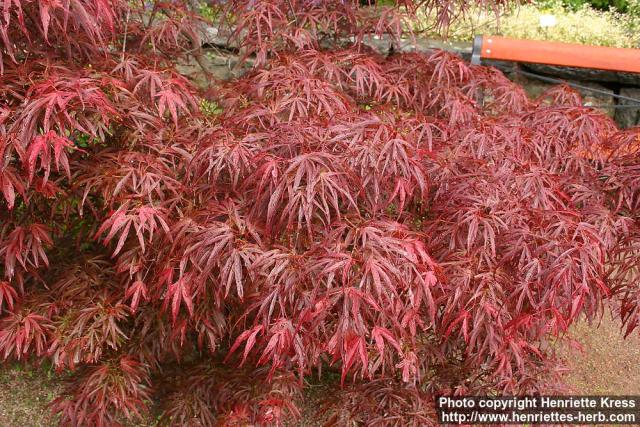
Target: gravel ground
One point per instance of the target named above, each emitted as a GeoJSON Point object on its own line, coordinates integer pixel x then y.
{"type": "Point", "coordinates": [607, 364]}
{"type": "Point", "coordinates": [24, 395]}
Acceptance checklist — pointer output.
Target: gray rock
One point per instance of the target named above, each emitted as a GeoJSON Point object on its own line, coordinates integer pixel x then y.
{"type": "Point", "coordinates": [628, 117]}
{"type": "Point", "coordinates": [602, 97]}
{"type": "Point", "coordinates": [213, 64]}
{"type": "Point", "coordinates": [221, 61]}
{"type": "Point", "coordinates": [385, 44]}
{"type": "Point", "coordinates": [585, 74]}
{"type": "Point", "coordinates": [533, 88]}
{"type": "Point", "coordinates": [214, 36]}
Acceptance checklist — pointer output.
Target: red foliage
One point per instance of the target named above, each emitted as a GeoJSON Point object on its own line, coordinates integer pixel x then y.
{"type": "Point", "coordinates": [414, 222]}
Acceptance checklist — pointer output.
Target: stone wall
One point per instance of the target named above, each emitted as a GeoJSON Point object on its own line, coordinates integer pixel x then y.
{"type": "Point", "coordinates": [606, 85]}
{"type": "Point", "coordinates": [221, 60]}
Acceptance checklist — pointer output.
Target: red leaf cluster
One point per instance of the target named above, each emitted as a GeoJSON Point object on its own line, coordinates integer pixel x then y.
{"type": "Point", "coordinates": [409, 222]}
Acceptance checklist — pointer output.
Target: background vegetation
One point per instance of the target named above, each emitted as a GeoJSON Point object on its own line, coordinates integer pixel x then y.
{"type": "Point", "coordinates": [576, 22]}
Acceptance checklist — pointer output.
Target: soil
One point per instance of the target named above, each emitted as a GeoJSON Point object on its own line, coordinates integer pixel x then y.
{"type": "Point", "coordinates": [25, 393]}
{"type": "Point", "coordinates": [608, 363]}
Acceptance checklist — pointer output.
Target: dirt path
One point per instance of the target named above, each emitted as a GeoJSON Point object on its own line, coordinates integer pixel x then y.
{"type": "Point", "coordinates": [24, 395]}
{"type": "Point", "coordinates": [608, 364]}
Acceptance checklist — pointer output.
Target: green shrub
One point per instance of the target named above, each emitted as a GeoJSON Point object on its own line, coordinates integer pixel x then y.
{"type": "Point", "coordinates": [633, 14]}
{"type": "Point", "coordinates": [617, 5]}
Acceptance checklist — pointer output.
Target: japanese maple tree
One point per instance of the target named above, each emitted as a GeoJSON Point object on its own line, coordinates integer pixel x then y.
{"type": "Point", "coordinates": [412, 222]}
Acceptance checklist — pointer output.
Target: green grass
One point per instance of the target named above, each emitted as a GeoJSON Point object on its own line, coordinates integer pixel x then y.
{"type": "Point", "coordinates": [584, 25]}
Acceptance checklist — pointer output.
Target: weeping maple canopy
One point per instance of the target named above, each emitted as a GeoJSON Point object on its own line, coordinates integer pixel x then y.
{"type": "Point", "coordinates": [411, 221]}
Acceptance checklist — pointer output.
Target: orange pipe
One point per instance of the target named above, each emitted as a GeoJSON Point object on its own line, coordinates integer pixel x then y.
{"type": "Point", "coordinates": [554, 53]}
